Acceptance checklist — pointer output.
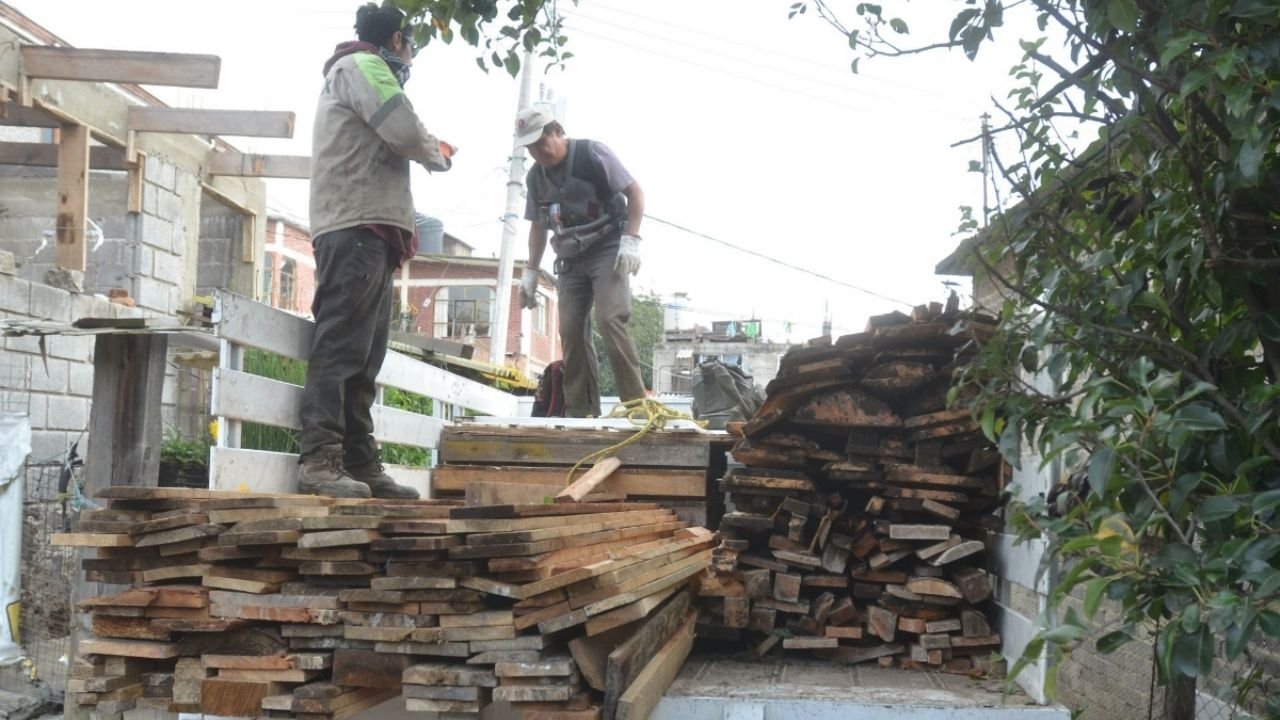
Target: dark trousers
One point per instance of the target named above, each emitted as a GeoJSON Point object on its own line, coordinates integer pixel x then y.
{"type": "Point", "coordinates": [587, 281]}
{"type": "Point", "coordinates": [352, 310]}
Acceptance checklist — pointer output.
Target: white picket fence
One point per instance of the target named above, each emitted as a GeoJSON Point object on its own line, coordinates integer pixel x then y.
{"type": "Point", "coordinates": [238, 397]}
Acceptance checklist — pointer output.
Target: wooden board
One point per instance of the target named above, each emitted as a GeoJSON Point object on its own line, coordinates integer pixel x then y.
{"type": "Point", "coordinates": [246, 123]}
{"type": "Point", "coordinates": [120, 66]}
{"type": "Point", "coordinates": [589, 481]}
{"type": "Point", "coordinates": [537, 446]}
{"type": "Point", "coordinates": [630, 481]}
{"type": "Point", "coordinates": [644, 693]}
{"type": "Point", "coordinates": [630, 658]}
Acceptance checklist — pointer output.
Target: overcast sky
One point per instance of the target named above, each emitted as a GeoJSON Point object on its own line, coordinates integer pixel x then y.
{"type": "Point", "coordinates": [738, 123]}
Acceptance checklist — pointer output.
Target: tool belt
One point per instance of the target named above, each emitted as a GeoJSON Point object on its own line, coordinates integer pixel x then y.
{"type": "Point", "coordinates": [572, 243]}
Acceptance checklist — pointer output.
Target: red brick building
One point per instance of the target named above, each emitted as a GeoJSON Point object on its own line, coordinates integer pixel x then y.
{"type": "Point", "coordinates": [451, 296]}
{"type": "Point", "coordinates": [446, 295]}
{"type": "Point", "coordinates": [288, 266]}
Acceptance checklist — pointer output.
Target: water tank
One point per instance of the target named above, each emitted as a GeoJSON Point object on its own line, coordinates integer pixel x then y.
{"type": "Point", "coordinates": [430, 234]}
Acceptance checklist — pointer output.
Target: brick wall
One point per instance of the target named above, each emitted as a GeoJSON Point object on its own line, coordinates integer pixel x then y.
{"type": "Point", "coordinates": [543, 348]}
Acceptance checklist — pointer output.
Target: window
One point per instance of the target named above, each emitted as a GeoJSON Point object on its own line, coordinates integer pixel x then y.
{"type": "Point", "coordinates": [540, 316]}
{"type": "Point", "coordinates": [288, 286]}
{"type": "Point", "coordinates": [467, 312]}
{"type": "Point", "coordinates": [267, 270]}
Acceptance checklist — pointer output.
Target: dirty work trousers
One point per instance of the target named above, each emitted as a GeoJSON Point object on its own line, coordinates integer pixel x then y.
{"type": "Point", "coordinates": [352, 310]}
{"type": "Point", "coordinates": [586, 280]}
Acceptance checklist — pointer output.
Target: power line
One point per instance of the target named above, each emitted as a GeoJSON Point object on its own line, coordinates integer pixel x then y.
{"type": "Point", "coordinates": [932, 108]}
{"type": "Point", "coordinates": [761, 50]}
{"type": "Point", "coordinates": [744, 78]}
{"type": "Point", "coordinates": [777, 261]}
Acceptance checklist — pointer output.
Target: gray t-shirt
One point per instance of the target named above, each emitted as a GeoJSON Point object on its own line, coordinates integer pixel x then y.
{"type": "Point", "coordinates": [608, 169]}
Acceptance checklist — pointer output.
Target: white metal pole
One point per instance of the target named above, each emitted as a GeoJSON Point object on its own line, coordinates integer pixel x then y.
{"type": "Point", "coordinates": [510, 221]}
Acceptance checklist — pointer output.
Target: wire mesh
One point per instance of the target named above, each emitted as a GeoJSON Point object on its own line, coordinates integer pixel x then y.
{"type": "Point", "coordinates": [47, 572]}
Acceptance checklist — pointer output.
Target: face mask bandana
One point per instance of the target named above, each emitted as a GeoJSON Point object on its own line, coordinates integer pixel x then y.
{"type": "Point", "coordinates": [398, 67]}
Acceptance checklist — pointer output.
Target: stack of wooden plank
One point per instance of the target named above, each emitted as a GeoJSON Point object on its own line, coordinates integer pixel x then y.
{"type": "Point", "coordinates": [858, 525]}
{"type": "Point", "coordinates": [244, 605]}
{"type": "Point", "coordinates": [670, 468]}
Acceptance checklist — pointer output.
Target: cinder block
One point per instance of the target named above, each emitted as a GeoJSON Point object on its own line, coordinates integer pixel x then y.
{"type": "Point", "coordinates": [22, 344]}
{"type": "Point", "coordinates": [149, 195]}
{"type": "Point", "coordinates": [8, 265]}
{"type": "Point", "coordinates": [146, 261]}
{"type": "Point", "coordinates": [49, 303]}
{"type": "Point", "coordinates": [157, 233]}
{"type": "Point", "coordinates": [48, 445]}
{"type": "Point", "coordinates": [167, 267]}
{"type": "Point", "coordinates": [68, 413]}
{"type": "Point", "coordinates": [159, 172]}
{"type": "Point", "coordinates": [14, 369]}
{"type": "Point", "coordinates": [80, 378]}
{"type": "Point", "coordinates": [64, 279]}
{"type": "Point", "coordinates": [168, 206]}
{"type": "Point", "coordinates": [38, 411]}
{"type": "Point", "coordinates": [77, 348]}
{"type": "Point", "coordinates": [15, 295]}
{"type": "Point", "coordinates": [156, 295]}
{"type": "Point", "coordinates": [49, 375]}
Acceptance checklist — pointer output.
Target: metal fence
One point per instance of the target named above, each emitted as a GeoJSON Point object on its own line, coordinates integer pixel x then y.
{"type": "Point", "coordinates": [47, 572]}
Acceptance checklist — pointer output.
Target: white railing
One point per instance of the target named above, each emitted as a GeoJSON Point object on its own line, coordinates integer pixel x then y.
{"type": "Point", "coordinates": [238, 397]}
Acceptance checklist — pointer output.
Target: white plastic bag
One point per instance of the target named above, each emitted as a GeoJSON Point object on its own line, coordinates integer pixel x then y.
{"type": "Point", "coordinates": [15, 445]}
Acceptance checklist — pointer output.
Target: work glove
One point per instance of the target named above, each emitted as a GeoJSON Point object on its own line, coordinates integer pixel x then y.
{"type": "Point", "coordinates": [529, 288]}
{"type": "Point", "coordinates": [628, 262]}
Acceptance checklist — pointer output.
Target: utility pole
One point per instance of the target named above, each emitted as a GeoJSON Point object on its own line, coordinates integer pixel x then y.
{"type": "Point", "coordinates": [510, 221]}
{"type": "Point", "coordinates": [986, 165]}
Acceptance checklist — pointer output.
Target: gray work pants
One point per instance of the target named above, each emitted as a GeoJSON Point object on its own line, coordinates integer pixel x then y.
{"type": "Point", "coordinates": [586, 280]}
{"type": "Point", "coordinates": [352, 310]}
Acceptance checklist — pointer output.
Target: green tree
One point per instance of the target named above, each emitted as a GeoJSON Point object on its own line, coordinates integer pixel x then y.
{"type": "Point", "coordinates": [646, 331]}
{"type": "Point", "coordinates": [1140, 275]}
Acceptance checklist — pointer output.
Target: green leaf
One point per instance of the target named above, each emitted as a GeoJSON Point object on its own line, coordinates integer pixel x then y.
{"type": "Point", "coordinates": [1269, 622]}
{"type": "Point", "coordinates": [1183, 486]}
{"type": "Point", "coordinates": [1093, 591]}
{"type": "Point", "coordinates": [1238, 636]}
{"type": "Point", "coordinates": [1123, 15]}
{"type": "Point", "coordinates": [1064, 634]}
{"type": "Point", "coordinates": [1193, 653]}
{"type": "Point", "coordinates": [1269, 326]}
{"type": "Point", "coordinates": [1112, 641]}
{"type": "Point", "coordinates": [1252, 151]}
{"type": "Point", "coordinates": [1100, 466]}
{"type": "Point", "coordinates": [1155, 302]}
{"type": "Point", "coordinates": [1255, 8]}
{"type": "Point", "coordinates": [899, 26]}
{"type": "Point", "coordinates": [1216, 508]}
{"type": "Point", "coordinates": [1200, 417]}
{"type": "Point", "coordinates": [1263, 502]}
{"type": "Point", "coordinates": [1195, 79]}
{"type": "Point", "coordinates": [1175, 48]}
{"type": "Point", "coordinates": [1196, 390]}
{"type": "Point", "coordinates": [961, 20]}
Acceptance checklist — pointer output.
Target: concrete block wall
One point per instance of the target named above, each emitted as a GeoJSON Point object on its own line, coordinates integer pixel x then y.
{"type": "Point", "coordinates": [54, 387]}
{"type": "Point", "coordinates": [164, 274]}
{"type": "Point", "coordinates": [28, 200]}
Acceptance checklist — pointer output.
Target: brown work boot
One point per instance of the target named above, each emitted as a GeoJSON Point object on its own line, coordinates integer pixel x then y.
{"type": "Point", "coordinates": [322, 474]}
{"type": "Point", "coordinates": [380, 483]}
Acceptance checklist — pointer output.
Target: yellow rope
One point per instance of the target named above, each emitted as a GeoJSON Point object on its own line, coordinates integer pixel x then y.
{"type": "Point", "coordinates": [646, 413]}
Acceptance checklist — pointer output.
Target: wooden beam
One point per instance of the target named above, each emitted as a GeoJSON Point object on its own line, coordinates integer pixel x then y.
{"type": "Point", "coordinates": [250, 165]}
{"type": "Point", "coordinates": [249, 123]}
{"type": "Point", "coordinates": [20, 116]}
{"type": "Point", "coordinates": [120, 66]}
{"type": "Point", "coordinates": [46, 155]}
{"type": "Point", "coordinates": [588, 482]}
{"type": "Point", "coordinates": [73, 196]}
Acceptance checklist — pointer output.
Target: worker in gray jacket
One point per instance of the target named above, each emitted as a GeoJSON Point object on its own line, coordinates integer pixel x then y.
{"type": "Point", "coordinates": [362, 222]}
{"type": "Point", "coordinates": [580, 193]}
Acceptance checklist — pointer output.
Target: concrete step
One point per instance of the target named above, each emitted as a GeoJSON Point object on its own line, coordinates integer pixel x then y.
{"type": "Point", "coordinates": [722, 688]}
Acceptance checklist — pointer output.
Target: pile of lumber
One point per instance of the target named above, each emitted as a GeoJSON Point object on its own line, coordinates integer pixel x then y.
{"type": "Point", "coordinates": [243, 605]}
{"type": "Point", "coordinates": [668, 467]}
{"type": "Point", "coordinates": [858, 527]}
